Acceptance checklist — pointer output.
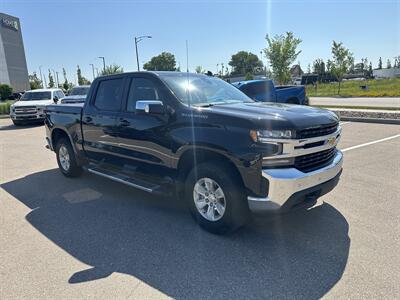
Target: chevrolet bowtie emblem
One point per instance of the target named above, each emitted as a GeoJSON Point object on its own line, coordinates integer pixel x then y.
{"type": "Point", "coordinates": [331, 141]}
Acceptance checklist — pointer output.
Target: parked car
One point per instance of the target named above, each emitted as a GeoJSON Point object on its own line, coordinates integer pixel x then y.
{"type": "Point", "coordinates": [264, 90]}
{"type": "Point", "coordinates": [77, 95]}
{"type": "Point", "coordinates": [15, 96]}
{"type": "Point", "coordinates": [30, 107]}
{"type": "Point", "coordinates": [199, 137]}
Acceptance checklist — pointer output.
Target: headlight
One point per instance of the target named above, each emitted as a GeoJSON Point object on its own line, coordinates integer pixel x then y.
{"type": "Point", "coordinates": [264, 136]}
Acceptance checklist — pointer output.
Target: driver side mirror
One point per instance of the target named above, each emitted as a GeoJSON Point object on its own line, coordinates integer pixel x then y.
{"type": "Point", "coordinates": [55, 99]}
{"type": "Point", "coordinates": [154, 107]}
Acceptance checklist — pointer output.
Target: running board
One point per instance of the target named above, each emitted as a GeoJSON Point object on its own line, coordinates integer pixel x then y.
{"type": "Point", "coordinates": [136, 183]}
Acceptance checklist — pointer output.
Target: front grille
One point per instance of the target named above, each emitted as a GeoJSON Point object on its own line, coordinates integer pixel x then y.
{"type": "Point", "coordinates": [313, 161]}
{"type": "Point", "coordinates": [25, 110]}
{"type": "Point", "coordinates": [317, 131]}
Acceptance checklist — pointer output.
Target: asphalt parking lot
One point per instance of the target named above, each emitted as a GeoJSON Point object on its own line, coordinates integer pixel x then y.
{"type": "Point", "coordinates": [92, 238]}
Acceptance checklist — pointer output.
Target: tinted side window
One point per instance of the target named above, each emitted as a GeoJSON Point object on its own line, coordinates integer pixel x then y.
{"type": "Point", "coordinates": [257, 88]}
{"type": "Point", "coordinates": [109, 94]}
{"type": "Point", "coordinates": [141, 89]}
{"type": "Point", "coordinates": [60, 94]}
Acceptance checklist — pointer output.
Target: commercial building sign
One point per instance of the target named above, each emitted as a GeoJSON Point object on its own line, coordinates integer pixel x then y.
{"type": "Point", "coordinates": [10, 23]}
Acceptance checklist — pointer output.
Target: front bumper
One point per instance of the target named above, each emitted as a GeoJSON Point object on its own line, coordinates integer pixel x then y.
{"type": "Point", "coordinates": [289, 187]}
{"type": "Point", "coordinates": [28, 117]}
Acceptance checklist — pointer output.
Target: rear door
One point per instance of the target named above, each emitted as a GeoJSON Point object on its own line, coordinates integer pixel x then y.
{"type": "Point", "coordinates": [99, 119]}
{"type": "Point", "coordinates": [143, 138]}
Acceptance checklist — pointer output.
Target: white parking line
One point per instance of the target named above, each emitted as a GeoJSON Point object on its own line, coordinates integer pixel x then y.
{"type": "Point", "coordinates": [343, 123]}
{"type": "Point", "coordinates": [371, 143]}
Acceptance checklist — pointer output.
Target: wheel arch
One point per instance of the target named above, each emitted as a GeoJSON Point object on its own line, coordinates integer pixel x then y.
{"type": "Point", "coordinates": [196, 156]}
{"type": "Point", "coordinates": [59, 133]}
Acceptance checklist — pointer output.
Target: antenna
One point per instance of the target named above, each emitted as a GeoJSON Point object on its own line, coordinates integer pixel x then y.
{"type": "Point", "coordinates": [187, 57]}
{"type": "Point", "coordinates": [187, 72]}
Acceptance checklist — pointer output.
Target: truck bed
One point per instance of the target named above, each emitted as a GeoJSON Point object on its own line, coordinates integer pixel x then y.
{"type": "Point", "coordinates": [73, 108]}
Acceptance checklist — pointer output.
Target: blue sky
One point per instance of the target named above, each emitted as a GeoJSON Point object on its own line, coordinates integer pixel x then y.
{"type": "Point", "coordinates": [66, 33]}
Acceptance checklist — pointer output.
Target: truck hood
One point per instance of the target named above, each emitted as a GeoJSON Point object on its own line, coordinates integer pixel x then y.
{"type": "Point", "coordinates": [276, 115]}
{"type": "Point", "coordinates": [39, 103]}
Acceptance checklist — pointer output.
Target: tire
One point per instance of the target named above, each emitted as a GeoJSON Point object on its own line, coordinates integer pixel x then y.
{"type": "Point", "coordinates": [235, 213]}
{"type": "Point", "coordinates": [66, 159]}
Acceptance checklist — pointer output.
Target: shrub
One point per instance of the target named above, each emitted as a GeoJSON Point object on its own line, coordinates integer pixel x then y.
{"type": "Point", "coordinates": [5, 108]}
{"type": "Point", "coordinates": [5, 91]}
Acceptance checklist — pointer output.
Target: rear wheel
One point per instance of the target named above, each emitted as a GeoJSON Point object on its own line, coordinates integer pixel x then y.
{"type": "Point", "coordinates": [216, 198]}
{"type": "Point", "coordinates": [66, 159]}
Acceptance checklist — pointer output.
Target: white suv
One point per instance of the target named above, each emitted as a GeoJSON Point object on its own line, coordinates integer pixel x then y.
{"type": "Point", "coordinates": [30, 108]}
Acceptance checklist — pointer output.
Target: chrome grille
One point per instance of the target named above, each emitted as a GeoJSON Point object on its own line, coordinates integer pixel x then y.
{"type": "Point", "coordinates": [25, 110]}
{"type": "Point", "coordinates": [317, 131]}
{"type": "Point", "coordinates": [313, 161]}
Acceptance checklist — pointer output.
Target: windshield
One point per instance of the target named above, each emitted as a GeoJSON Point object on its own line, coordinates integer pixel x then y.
{"type": "Point", "coordinates": [36, 96]}
{"type": "Point", "coordinates": [201, 90]}
{"type": "Point", "coordinates": [79, 91]}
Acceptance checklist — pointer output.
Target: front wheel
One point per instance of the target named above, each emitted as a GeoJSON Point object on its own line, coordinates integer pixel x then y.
{"type": "Point", "coordinates": [66, 159]}
{"type": "Point", "coordinates": [216, 198]}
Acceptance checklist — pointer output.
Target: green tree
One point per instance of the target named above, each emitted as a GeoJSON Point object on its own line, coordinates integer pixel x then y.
{"type": "Point", "coordinates": [51, 80]}
{"type": "Point", "coordinates": [112, 69]}
{"type": "Point", "coordinates": [370, 70]}
{"type": "Point", "coordinates": [5, 91]}
{"type": "Point", "coordinates": [309, 69]}
{"type": "Point", "coordinates": [245, 62]}
{"type": "Point", "coordinates": [35, 82]}
{"type": "Point", "coordinates": [281, 51]}
{"type": "Point", "coordinates": [163, 62]}
{"type": "Point", "coordinates": [65, 85]}
{"type": "Point", "coordinates": [329, 64]}
{"type": "Point", "coordinates": [388, 64]}
{"type": "Point", "coordinates": [81, 80]}
{"type": "Point", "coordinates": [342, 58]}
{"type": "Point", "coordinates": [380, 63]}
{"type": "Point", "coordinates": [319, 66]}
{"type": "Point", "coordinates": [199, 69]}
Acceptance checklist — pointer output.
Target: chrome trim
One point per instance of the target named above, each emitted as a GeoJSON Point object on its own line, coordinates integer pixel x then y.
{"type": "Point", "coordinates": [293, 148]}
{"type": "Point", "coordinates": [143, 105]}
{"type": "Point", "coordinates": [121, 181]}
{"type": "Point", "coordinates": [285, 182]}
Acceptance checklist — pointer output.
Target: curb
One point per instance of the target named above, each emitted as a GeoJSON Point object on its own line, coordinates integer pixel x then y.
{"type": "Point", "coordinates": [4, 116]}
{"type": "Point", "coordinates": [371, 120]}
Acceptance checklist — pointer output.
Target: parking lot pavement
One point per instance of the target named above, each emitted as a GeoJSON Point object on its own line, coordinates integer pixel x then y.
{"type": "Point", "coordinates": [93, 238]}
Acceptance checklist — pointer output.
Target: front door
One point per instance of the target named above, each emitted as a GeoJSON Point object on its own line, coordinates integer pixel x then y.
{"type": "Point", "coordinates": [143, 138]}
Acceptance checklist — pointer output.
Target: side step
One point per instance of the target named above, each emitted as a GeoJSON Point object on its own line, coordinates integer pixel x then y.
{"type": "Point", "coordinates": [136, 183]}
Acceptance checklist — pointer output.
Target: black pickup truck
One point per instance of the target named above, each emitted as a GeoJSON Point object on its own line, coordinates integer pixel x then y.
{"type": "Point", "coordinates": [199, 138]}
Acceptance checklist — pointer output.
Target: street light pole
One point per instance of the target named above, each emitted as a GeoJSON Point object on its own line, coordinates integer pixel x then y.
{"type": "Point", "coordinates": [137, 40]}
{"type": "Point", "coordinates": [104, 63]}
{"type": "Point", "coordinates": [92, 70]}
{"type": "Point", "coordinates": [41, 77]}
{"type": "Point", "coordinates": [58, 83]}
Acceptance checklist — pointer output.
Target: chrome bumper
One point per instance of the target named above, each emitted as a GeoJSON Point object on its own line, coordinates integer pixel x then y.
{"type": "Point", "coordinates": [283, 183]}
